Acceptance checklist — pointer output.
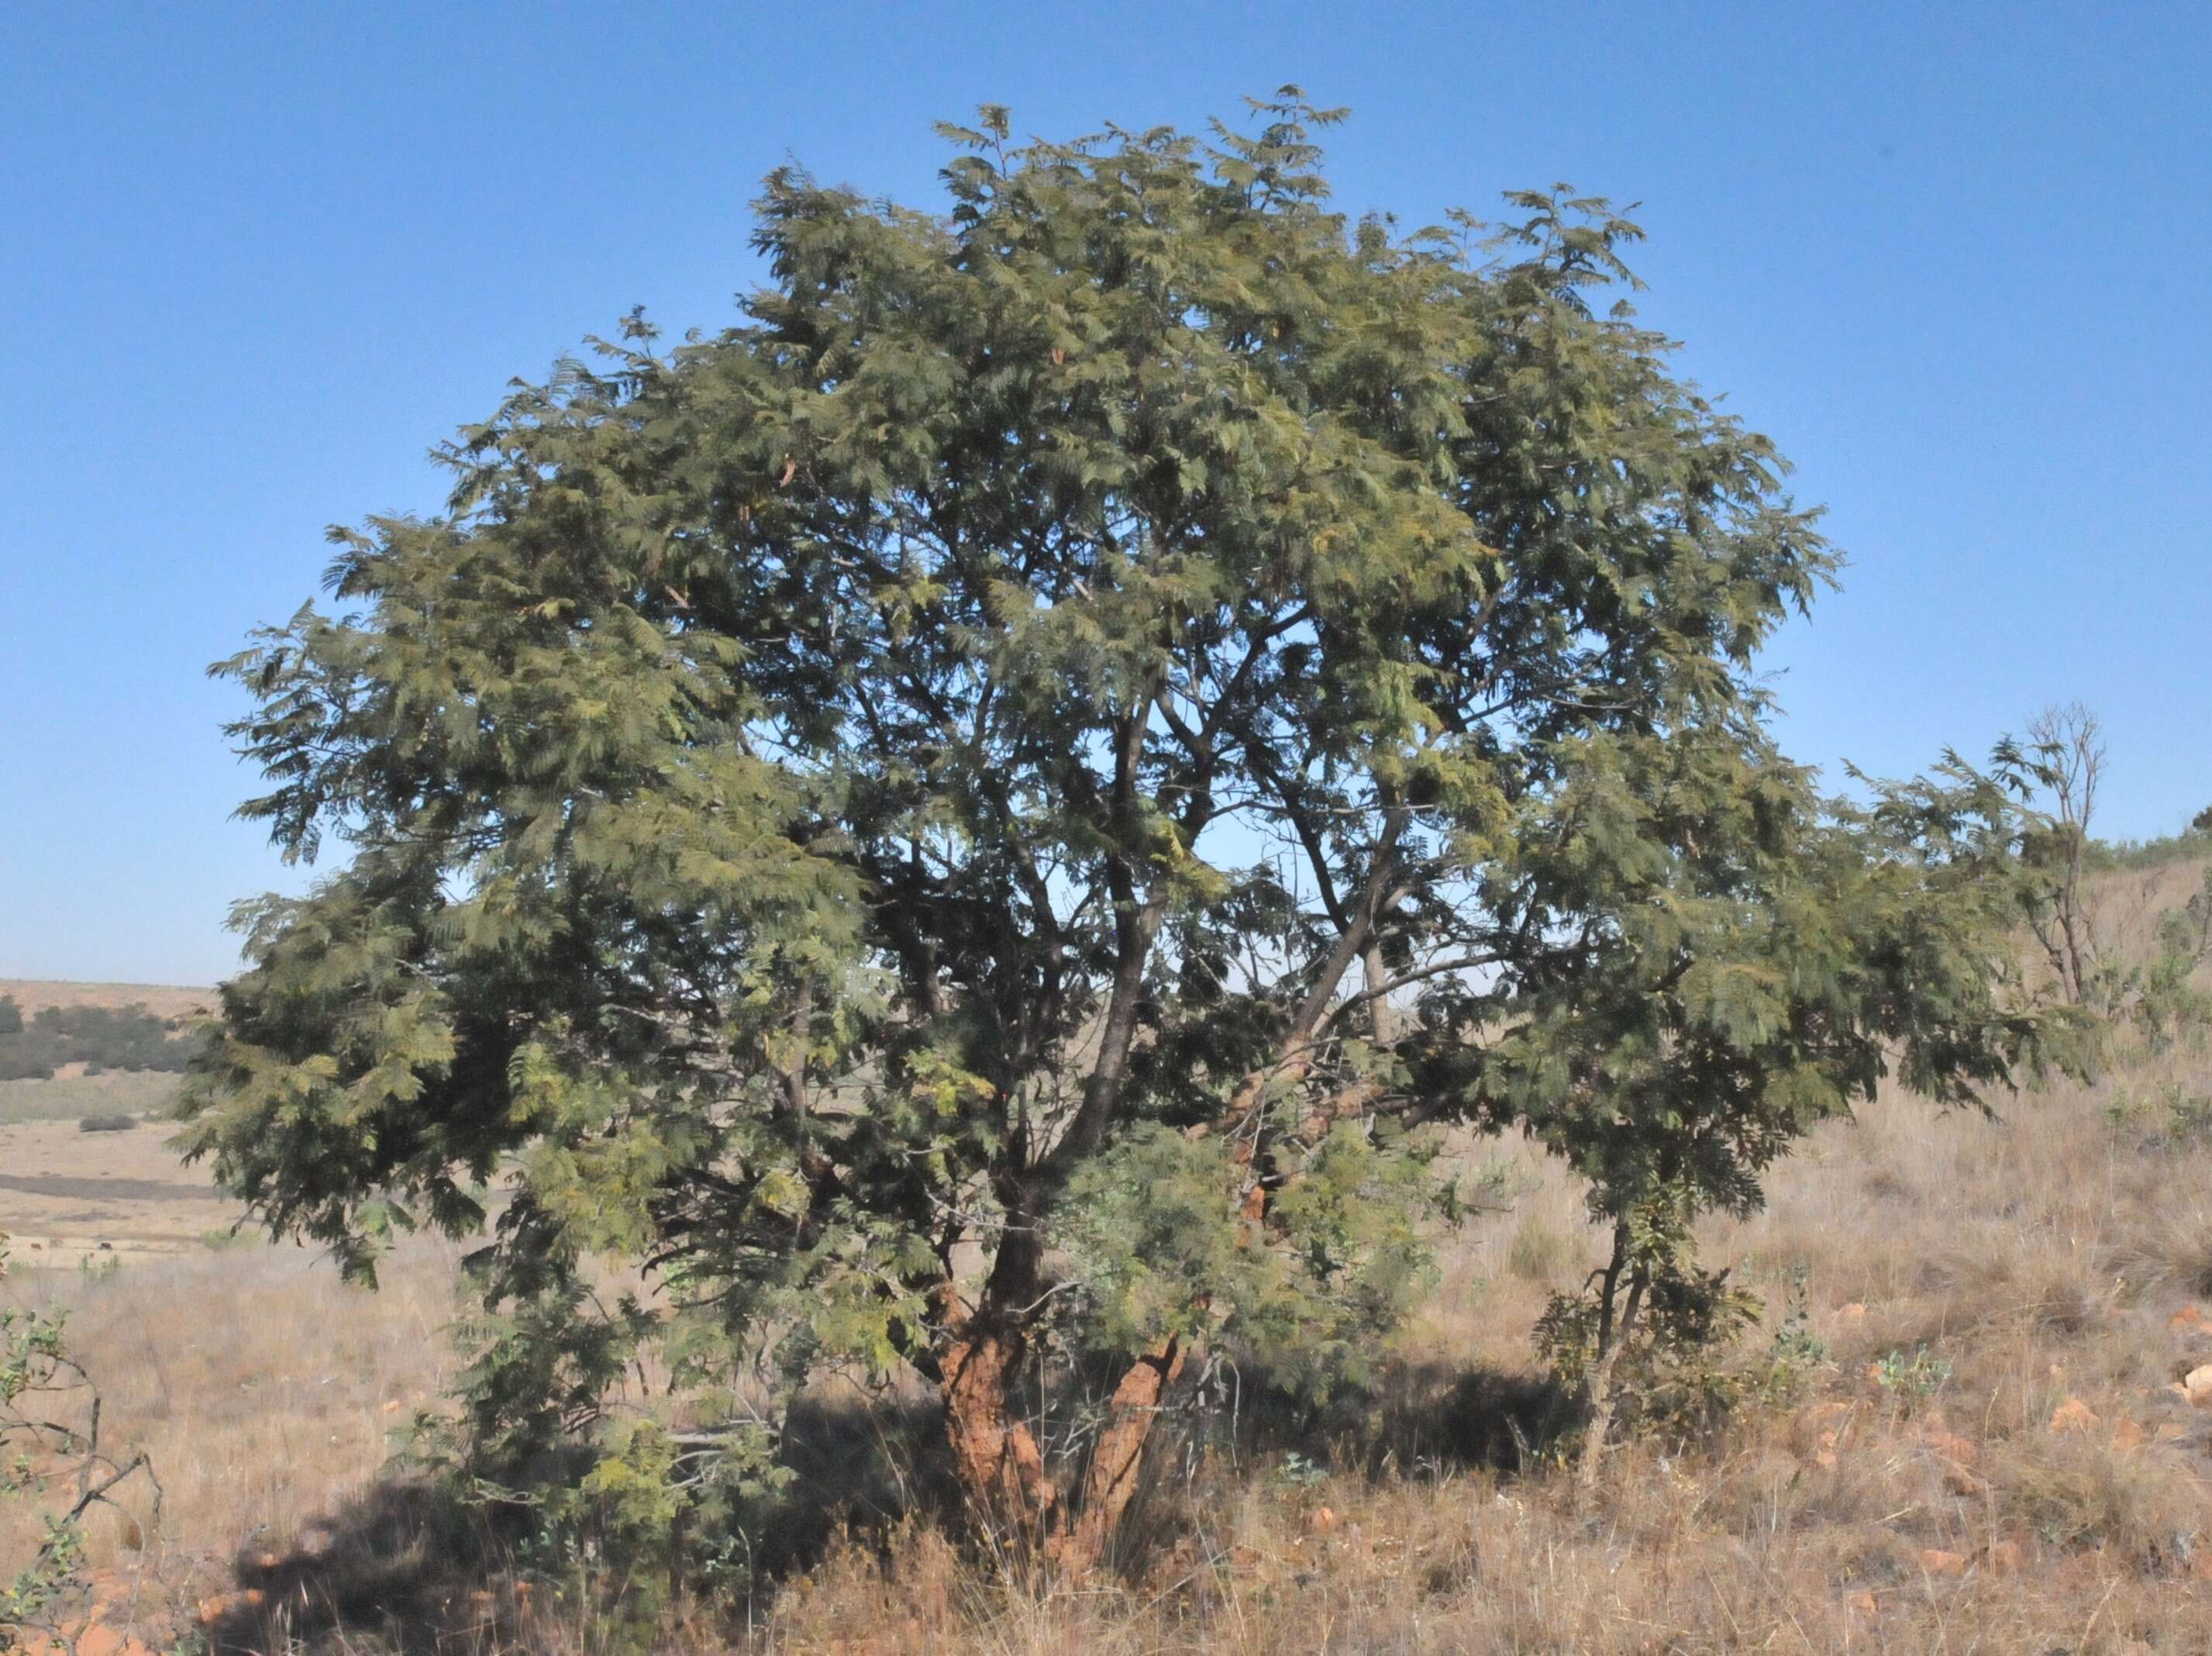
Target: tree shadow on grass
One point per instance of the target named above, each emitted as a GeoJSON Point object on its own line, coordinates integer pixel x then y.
{"type": "Point", "coordinates": [1478, 1419]}
{"type": "Point", "coordinates": [406, 1564]}
{"type": "Point", "coordinates": [410, 1567]}
{"type": "Point", "coordinates": [1438, 1417]}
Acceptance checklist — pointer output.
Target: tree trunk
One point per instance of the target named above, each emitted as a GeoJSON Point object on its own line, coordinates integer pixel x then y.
{"type": "Point", "coordinates": [1382, 1018]}
{"type": "Point", "coordinates": [1110, 1481]}
{"type": "Point", "coordinates": [1001, 1469]}
{"type": "Point", "coordinates": [1597, 1378]}
{"type": "Point", "coordinates": [1597, 1381]}
{"type": "Point", "coordinates": [1000, 1466]}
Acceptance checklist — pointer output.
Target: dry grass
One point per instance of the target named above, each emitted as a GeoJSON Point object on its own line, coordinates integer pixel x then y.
{"type": "Point", "coordinates": [264, 1390]}
{"type": "Point", "coordinates": [1991, 1458]}
{"type": "Point", "coordinates": [72, 1093]}
{"type": "Point", "coordinates": [65, 1195]}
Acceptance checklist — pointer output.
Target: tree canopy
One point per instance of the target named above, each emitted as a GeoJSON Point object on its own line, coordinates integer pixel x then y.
{"type": "Point", "coordinates": [978, 822]}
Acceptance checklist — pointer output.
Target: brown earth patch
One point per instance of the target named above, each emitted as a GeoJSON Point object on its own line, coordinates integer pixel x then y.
{"type": "Point", "coordinates": [67, 1192]}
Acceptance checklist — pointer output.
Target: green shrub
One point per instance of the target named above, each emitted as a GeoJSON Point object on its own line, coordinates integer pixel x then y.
{"type": "Point", "coordinates": [99, 1037]}
{"type": "Point", "coordinates": [52, 1458]}
{"type": "Point", "coordinates": [1914, 1376]}
{"type": "Point", "coordinates": [107, 1124]}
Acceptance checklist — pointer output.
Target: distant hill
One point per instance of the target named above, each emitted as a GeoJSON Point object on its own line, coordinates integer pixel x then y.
{"type": "Point", "coordinates": [54, 1031]}
{"type": "Point", "coordinates": [162, 1000]}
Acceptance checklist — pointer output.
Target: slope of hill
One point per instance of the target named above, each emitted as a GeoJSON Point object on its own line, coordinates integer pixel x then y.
{"type": "Point", "coordinates": [162, 1000]}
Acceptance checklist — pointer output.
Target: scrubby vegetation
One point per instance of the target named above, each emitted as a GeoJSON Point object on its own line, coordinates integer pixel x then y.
{"type": "Point", "coordinates": [112, 1123]}
{"type": "Point", "coordinates": [54, 1462]}
{"type": "Point", "coordinates": [1962, 1421]}
{"type": "Point", "coordinates": [129, 1038]}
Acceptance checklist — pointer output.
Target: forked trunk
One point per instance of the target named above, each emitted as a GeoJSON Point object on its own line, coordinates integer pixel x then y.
{"type": "Point", "coordinates": [1001, 1468]}
{"type": "Point", "coordinates": [1597, 1377]}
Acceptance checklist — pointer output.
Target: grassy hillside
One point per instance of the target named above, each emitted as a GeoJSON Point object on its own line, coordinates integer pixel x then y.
{"type": "Point", "coordinates": [1963, 1426]}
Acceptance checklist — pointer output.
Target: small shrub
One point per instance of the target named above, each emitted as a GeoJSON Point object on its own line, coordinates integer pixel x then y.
{"type": "Point", "coordinates": [1913, 1377]}
{"type": "Point", "coordinates": [2167, 1115]}
{"type": "Point", "coordinates": [1300, 1473]}
{"type": "Point", "coordinates": [2188, 1114]}
{"type": "Point", "coordinates": [52, 1458]}
{"type": "Point", "coordinates": [1796, 1351]}
{"type": "Point", "coordinates": [107, 1124]}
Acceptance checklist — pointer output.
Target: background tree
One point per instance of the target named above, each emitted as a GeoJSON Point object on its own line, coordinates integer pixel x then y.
{"type": "Point", "coordinates": [2064, 757]}
{"type": "Point", "coordinates": [973, 823]}
{"type": "Point", "coordinates": [2056, 770]}
{"type": "Point", "coordinates": [100, 1038]}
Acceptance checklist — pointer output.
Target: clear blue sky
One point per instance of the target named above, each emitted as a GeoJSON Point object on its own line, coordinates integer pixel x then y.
{"type": "Point", "coordinates": [254, 261]}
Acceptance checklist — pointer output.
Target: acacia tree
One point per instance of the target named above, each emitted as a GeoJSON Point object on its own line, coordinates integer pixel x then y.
{"type": "Point", "coordinates": [2057, 768]}
{"type": "Point", "coordinates": [973, 819]}
{"type": "Point", "coordinates": [2063, 756]}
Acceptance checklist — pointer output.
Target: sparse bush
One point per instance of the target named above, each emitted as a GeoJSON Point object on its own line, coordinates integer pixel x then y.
{"type": "Point", "coordinates": [2064, 755]}
{"type": "Point", "coordinates": [2061, 763]}
{"type": "Point", "coordinates": [2167, 1003]}
{"type": "Point", "coordinates": [1912, 1377]}
{"type": "Point", "coordinates": [1794, 1354]}
{"type": "Point", "coordinates": [1649, 1347]}
{"type": "Point", "coordinates": [2167, 1114]}
{"type": "Point", "coordinates": [51, 1454]}
{"type": "Point", "coordinates": [117, 1123]}
{"type": "Point", "coordinates": [1298, 1472]}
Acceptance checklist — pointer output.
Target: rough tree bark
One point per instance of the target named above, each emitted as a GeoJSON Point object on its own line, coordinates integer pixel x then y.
{"type": "Point", "coordinates": [1597, 1374]}
{"type": "Point", "coordinates": [995, 1455]}
{"type": "Point", "coordinates": [1109, 1481]}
